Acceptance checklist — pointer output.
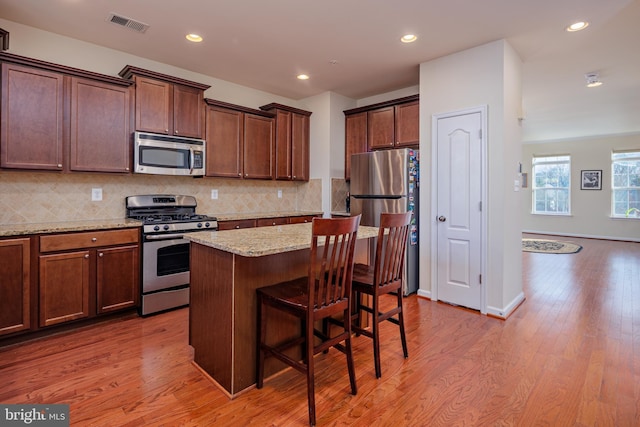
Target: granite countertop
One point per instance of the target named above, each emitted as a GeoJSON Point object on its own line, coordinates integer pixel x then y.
{"type": "Point", "coordinates": [66, 226]}
{"type": "Point", "coordinates": [261, 241]}
{"type": "Point", "coordinates": [255, 215]}
{"type": "Point", "coordinates": [340, 213]}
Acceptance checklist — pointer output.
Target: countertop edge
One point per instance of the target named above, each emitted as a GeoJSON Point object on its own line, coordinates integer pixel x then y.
{"type": "Point", "coordinates": [10, 230]}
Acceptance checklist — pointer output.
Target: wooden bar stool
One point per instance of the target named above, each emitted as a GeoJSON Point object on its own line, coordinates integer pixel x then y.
{"type": "Point", "coordinates": [324, 292]}
{"type": "Point", "coordinates": [384, 277]}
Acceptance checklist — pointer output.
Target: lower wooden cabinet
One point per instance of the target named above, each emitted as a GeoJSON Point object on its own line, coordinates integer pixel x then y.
{"type": "Point", "coordinates": [87, 274]}
{"type": "Point", "coordinates": [15, 286]}
{"type": "Point", "coordinates": [263, 222]}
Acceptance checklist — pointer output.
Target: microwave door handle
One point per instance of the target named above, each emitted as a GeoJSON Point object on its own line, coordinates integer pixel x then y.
{"type": "Point", "coordinates": [192, 160]}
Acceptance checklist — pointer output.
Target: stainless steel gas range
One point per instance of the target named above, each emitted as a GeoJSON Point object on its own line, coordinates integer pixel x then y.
{"type": "Point", "coordinates": [165, 253]}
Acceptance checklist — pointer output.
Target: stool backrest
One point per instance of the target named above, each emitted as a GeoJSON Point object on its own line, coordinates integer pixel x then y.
{"type": "Point", "coordinates": [391, 248]}
{"type": "Point", "coordinates": [331, 264]}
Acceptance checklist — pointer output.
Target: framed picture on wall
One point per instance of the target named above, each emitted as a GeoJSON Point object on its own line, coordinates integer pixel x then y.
{"type": "Point", "coordinates": [591, 180]}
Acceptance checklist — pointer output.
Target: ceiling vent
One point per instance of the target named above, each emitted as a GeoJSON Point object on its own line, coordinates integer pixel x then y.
{"type": "Point", "coordinates": [129, 23]}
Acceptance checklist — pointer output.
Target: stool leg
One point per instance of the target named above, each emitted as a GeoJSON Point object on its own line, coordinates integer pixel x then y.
{"type": "Point", "coordinates": [403, 336]}
{"type": "Point", "coordinates": [375, 319]}
{"type": "Point", "coordinates": [309, 352]}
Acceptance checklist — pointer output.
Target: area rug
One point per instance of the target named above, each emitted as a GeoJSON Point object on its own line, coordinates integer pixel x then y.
{"type": "Point", "coordinates": [549, 246]}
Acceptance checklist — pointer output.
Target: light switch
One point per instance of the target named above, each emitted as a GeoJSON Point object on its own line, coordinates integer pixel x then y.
{"type": "Point", "coordinates": [96, 194]}
{"type": "Point", "coordinates": [214, 194]}
{"type": "Point", "coordinates": [279, 194]}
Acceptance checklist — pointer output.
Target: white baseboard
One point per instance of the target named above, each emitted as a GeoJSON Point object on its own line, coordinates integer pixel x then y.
{"type": "Point", "coordinates": [585, 236]}
{"type": "Point", "coordinates": [503, 313]}
{"type": "Point", "coordinates": [424, 294]}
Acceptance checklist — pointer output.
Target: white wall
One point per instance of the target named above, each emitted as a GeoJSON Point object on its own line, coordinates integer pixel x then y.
{"type": "Point", "coordinates": [486, 75]}
{"type": "Point", "coordinates": [590, 209]}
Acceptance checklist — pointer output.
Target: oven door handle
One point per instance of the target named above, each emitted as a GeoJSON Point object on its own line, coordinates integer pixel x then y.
{"type": "Point", "coordinates": [164, 236]}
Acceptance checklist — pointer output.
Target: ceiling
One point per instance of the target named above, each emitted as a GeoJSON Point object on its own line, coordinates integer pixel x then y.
{"type": "Point", "coordinates": [353, 48]}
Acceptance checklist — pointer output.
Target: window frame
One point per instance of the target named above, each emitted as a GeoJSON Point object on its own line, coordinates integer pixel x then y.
{"type": "Point", "coordinates": [551, 159]}
{"type": "Point", "coordinates": [634, 156]}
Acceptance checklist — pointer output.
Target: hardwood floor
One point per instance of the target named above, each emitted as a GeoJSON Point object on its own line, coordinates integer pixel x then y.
{"type": "Point", "coordinates": [568, 356]}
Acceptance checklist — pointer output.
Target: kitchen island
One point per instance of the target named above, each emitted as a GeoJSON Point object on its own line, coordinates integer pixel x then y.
{"type": "Point", "coordinates": [226, 269]}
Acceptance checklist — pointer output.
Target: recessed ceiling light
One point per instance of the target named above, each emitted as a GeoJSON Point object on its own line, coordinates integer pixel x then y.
{"type": "Point", "coordinates": [577, 26]}
{"type": "Point", "coordinates": [194, 38]}
{"type": "Point", "coordinates": [302, 77]}
{"type": "Point", "coordinates": [408, 38]}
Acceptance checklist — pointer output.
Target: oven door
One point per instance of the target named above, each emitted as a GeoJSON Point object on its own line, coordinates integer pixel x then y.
{"type": "Point", "coordinates": [165, 264]}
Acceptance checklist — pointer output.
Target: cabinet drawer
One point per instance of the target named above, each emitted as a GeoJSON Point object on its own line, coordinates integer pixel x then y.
{"type": "Point", "coordinates": [265, 222]}
{"type": "Point", "coordinates": [91, 239]}
{"type": "Point", "coordinates": [300, 219]}
{"type": "Point", "coordinates": [233, 225]}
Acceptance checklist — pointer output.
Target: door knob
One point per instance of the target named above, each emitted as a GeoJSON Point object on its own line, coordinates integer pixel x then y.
{"type": "Point", "coordinates": [442, 218]}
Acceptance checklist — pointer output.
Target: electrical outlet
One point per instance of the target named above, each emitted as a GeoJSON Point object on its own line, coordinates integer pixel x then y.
{"type": "Point", "coordinates": [279, 194]}
{"type": "Point", "coordinates": [96, 194]}
{"type": "Point", "coordinates": [214, 194]}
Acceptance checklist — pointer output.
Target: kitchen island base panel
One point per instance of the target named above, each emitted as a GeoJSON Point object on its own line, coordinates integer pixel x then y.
{"type": "Point", "coordinates": [223, 312]}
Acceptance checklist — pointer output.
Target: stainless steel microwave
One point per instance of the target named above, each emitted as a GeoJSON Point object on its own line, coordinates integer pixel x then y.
{"type": "Point", "coordinates": [168, 155]}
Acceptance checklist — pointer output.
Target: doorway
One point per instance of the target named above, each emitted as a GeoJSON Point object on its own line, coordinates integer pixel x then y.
{"type": "Point", "coordinates": [459, 192]}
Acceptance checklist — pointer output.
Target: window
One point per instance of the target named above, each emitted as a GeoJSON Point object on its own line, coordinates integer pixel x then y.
{"type": "Point", "coordinates": [625, 187]}
{"type": "Point", "coordinates": [552, 185]}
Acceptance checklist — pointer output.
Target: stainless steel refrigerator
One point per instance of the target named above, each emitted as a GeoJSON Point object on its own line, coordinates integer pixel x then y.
{"type": "Point", "coordinates": [388, 181]}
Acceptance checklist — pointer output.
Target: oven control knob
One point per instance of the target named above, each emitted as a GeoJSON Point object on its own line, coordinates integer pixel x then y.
{"type": "Point", "coordinates": [166, 227]}
{"type": "Point", "coordinates": [199, 225]}
{"type": "Point", "coordinates": [206, 224]}
{"type": "Point", "coordinates": [156, 228]}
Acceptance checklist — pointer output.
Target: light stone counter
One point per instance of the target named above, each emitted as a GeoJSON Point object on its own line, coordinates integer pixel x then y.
{"type": "Point", "coordinates": [262, 241]}
{"type": "Point", "coordinates": [66, 226]}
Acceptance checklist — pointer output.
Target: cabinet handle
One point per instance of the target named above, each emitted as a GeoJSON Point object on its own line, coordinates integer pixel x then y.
{"type": "Point", "coordinates": [239, 174]}
{"type": "Point", "coordinates": [176, 132]}
{"type": "Point", "coordinates": [166, 130]}
{"type": "Point", "coordinates": [101, 254]}
{"type": "Point", "coordinates": [94, 239]}
{"type": "Point", "coordinates": [237, 226]}
{"type": "Point", "coordinates": [86, 256]}
{"type": "Point", "coordinates": [59, 165]}
{"type": "Point", "coordinates": [126, 169]}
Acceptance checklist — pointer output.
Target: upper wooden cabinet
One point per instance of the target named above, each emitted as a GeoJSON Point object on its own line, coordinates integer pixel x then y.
{"type": "Point", "coordinates": [390, 124]}
{"type": "Point", "coordinates": [62, 119]}
{"type": "Point", "coordinates": [240, 141]}
{"type": "Point", "coordinates": [32, 118]}
{"type": "Point", "coordinates": [99, 127]}
{"type": "Point", "coordinates": [292, 142]}
{"type": "Point", "coordinates": [166, 104]}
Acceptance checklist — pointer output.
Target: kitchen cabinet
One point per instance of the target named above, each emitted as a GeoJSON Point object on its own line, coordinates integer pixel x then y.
{"type": "Point", "coordinates": [15, 285]}
{"type": "Point", "coordinates": [292, 142]}
{"type": "Point", "coordinates": [239, 140]}
{"type": "Point", "coordinates": [32, 118]}
{"type": "Point", "coordinates": [85, 274]}
{"type": "Point", "coordinates": [264, 222]}
{"type": "Point", "coordinates": [236, 224]}
{"type": "Point", "coordinates": [166, 104]}
{"type": "Point", "coordinates": [355, 139]}
{"type": "Point", "coordinates": [393, 126]}
{"type": "Point", "coordinates": [62, 119]}
{"type": "Point", "coordinates": [100, 140]}
{"type": "Point", "coordinates": [385, 125]}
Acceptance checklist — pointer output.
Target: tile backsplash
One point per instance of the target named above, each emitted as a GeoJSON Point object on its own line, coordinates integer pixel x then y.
{"type": "Point", "coordinates": [339, 190]}
{"type": "Point", "coordinates": [32, 197]}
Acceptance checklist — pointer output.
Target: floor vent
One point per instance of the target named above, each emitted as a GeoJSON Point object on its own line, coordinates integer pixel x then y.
{"type": "Point", "coordinates": [129, 23]}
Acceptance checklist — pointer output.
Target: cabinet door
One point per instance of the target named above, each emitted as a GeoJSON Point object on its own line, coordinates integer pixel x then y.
{"type": "Point", "coordinates": [188, 109]}
{"type": "Point", "coordinates": [258, 147]}
{"type": "Point", "coordinates": [14, 286]}
{"type": "Point", "coordinates": [224, 140]}
{"type": "Point", "coordinates": [117, 278]}
{"type": "Point", "coordinates": [355, 139]}
{"type": "Point", "coordinates": [283, 144]}
{"type": "Point", "coordinates": [300, 147]}
{"type": "Point", "coordinates": [408, 124]}
{"type": "Point", "coordinates": [64, 287]}
{"type": "Point", "coordinates": [380, 128]}
{"type": "Point", "coordinates": [153, 105]}
{"type": "Point", "coordinates": [99, 127]}
{"type": "Point", "coordinates": [31, 118]}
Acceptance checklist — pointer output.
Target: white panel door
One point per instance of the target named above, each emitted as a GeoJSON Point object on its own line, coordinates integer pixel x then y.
{"type": "Point", "coordinates": [459, 209]}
